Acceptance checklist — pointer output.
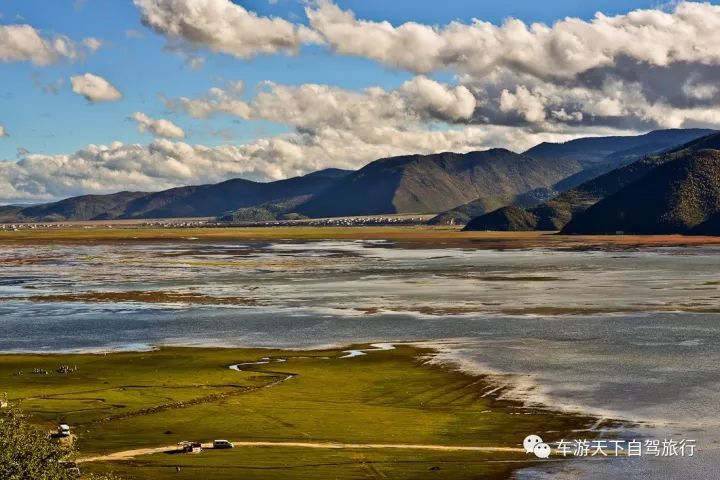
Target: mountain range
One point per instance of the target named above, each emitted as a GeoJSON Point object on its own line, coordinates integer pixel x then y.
{"type": "Point", "coordinates": [181, 202]}
{"type": "Point", "coordinates": [543, 188]}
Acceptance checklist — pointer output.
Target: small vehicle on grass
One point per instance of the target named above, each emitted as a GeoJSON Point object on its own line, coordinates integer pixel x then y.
{"type": "Point", "coordinates": [219, 444]}
{"type": "Point", "coordinates": [190, 447]}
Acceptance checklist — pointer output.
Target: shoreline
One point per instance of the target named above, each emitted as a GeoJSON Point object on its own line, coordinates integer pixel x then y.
{"type": "Point", "coordinates": [515, 388]}
{"type": "Point", "coordinates": [425, 236]}
{"type": "Point", "coordinates": [319, 364]}
{"type": "Point", "coordinates": [439, 355]}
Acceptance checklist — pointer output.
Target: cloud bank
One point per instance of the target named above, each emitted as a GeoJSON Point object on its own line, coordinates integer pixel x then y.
{"type": "Point", "coordinates": [165, 164]}
{"type": "Point", "coordinates": [641, 70]}
{"type": "Point", "coordinates": [688, 34]}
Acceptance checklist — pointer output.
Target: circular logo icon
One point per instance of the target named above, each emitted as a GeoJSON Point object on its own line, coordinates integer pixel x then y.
{"type": "Point", "coordinates": [530, 442]}
{"type": "Point", "coordinates": [542, 450]}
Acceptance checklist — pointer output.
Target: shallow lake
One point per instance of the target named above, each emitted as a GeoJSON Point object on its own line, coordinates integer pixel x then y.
{"type": "Point", "coordinates": [629, 333]}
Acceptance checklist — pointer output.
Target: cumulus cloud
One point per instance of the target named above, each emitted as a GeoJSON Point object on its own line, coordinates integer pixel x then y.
{"type": "Point", "coordinates": [645, 69]}
{"type": "Point", "coordinates": [95, 88]}
{"type": "Point", "coordinates": [690, 33]}
{"type": "Point", "coordinates": [695, 88]}
{"type": "Point", "coordinates": [23, 43]}
{"type": "Point", "coordinates": [222, 26]}
{"type": "Point", "coordinates": [311, 106]}
{"type": "Point", "coordinates": [215, 101]}
{"type": "Point", "coordinates": [157, 127]}
{"type": "Point", "coordinates": [529, 105]}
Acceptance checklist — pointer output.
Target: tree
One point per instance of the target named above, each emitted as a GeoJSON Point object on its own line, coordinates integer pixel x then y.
{"type": "Point", "coordinates": [29, 453]}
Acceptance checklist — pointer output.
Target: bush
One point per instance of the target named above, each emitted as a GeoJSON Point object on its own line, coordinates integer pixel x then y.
{"type": "Point", "coordinates": [29, 453]}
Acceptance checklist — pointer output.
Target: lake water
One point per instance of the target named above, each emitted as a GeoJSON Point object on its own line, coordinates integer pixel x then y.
{"type": "Point", "coordinates": [630, 334]}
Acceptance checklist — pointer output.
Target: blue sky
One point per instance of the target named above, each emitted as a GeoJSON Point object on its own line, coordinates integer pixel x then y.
{"type": "Point", "coordinates": [60, 123]}
{"type": "Point", "coordinates": [572, 79]}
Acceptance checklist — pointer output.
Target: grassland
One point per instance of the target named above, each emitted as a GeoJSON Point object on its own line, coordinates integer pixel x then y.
{"type": "Point", "coordinates": [424, 236]}
{"type": "Point", "coordinates": [126, 401]}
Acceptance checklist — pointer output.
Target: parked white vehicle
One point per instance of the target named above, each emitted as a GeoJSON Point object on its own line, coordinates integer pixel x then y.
{"type": "Point", "coordinates": [64, 430]}
{"type": "Point", "coordinates": [223, 444]}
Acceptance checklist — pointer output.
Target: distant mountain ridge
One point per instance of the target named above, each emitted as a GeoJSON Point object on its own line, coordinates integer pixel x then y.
{"type": "Point", "coordinates": [181, 202]}
{"type": "Point", "coordinates": [460, 185]}
{"type": "Point", "coordinates": [614, 150]}
{"type": "Point", "coordinates": [437, 182]}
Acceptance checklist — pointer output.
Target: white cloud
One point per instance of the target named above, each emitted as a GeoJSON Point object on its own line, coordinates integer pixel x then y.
{"type": "Point", "coordinates": [217, 100]}
{"type": "Point", "coordinates": [690, 33]}
{"type": "Point", "coordinates": [529, 105]}
{"type": "Point", "coordinates": [222, 26]}
{"type": "Point", "coordinates": [23, 43]}
{"type": "Point", "coordinates": [312, 106]}
{"type": "Point", "coordinates": [442, 101]}
{"type": "Point", "coordinates": [93, 44]}
{"type": "Point", "coordinates": [695, 89]}
{"type": "Point", "coordinates": [573, 71]}
{"type": "Point", "coordinates": [157, 127]}
{"type": "Point", "coordinates": [95, 88]}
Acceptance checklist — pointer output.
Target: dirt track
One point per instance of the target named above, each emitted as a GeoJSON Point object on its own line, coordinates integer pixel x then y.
{"type": "Point", "coordinates": [130, 454]}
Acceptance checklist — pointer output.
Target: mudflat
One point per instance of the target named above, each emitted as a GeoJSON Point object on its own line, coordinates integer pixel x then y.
{"type": "Point", "coordinates": [406, 236]}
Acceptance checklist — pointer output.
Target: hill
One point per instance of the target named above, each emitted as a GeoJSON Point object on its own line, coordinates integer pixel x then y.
{"type": "Point", "coordinates": [675, 197]}
{"type": "Point", "coordinates": [464, 213]}
{"type": "Point", "coordinates": [616, 150]}
{"type": "Point", "coordinates": [192, 201]}
{"type": "Point", "coordinates": [597, 155]}
{"type": "Point", "coordinates": [557, 212]}
{"type": "Point", "coordinates": [8, 213]}
{"type": "Point", "coordinates": [434, 183]}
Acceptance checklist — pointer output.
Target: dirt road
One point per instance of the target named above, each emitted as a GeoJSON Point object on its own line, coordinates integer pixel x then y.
{"type": "Point", "coordinates": [130, 454]}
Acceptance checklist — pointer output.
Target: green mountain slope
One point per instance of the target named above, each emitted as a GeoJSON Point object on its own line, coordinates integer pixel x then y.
{"type": "Point", "coordinates": [557, 212]}
{"type": "Point", "coordinates": [434, 183]}
{"type": "Point", "coordinates": [675, 197]}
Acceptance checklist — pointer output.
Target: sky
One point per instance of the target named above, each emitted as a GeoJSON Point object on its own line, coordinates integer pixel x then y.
{"type": "Point", "coordinates": [98, 96]}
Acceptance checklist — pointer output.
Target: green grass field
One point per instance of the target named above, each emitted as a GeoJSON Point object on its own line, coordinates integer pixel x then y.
{"type": "Point", "coordinates": [126, 401]}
